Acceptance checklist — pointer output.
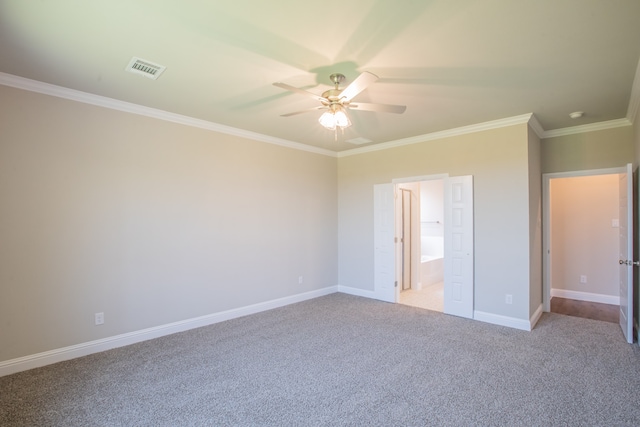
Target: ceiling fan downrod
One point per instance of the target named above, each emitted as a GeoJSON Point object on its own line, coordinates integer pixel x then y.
{"type": "Point", "coordinates": [337, 78]}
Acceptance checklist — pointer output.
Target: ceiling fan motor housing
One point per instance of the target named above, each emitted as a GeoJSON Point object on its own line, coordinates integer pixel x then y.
{"type": "Point", "coordinates": [333, 95]}
{"type": "Point", "coordinates": [337, 100]}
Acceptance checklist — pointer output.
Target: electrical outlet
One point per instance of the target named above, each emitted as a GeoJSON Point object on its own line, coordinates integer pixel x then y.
{"type": "Point", "coordinates": [508, 299]}
{"type": "Point", "coordinates": [99, 317]}
{"type": "Point", "coordinates": [583, 279]}
{"type": "Point", "coordinates": [300, 280]}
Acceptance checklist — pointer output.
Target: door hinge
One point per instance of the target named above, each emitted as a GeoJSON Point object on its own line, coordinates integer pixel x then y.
{"type": "Point", "coordinates": [395, 284]}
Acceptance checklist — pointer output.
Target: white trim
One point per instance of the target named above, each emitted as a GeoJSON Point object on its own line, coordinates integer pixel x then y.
{"type": "Point", "coordinates": [535, 125]}
{"type": "Point", "coordinates": [535, 317]}
{"type": "Point", "coordinates": [356, 291]}
{"type": "Point", "coordinates": [546, 241]}
{"type": "Point", "coordinates": [634, 98]}
{"type": "Point", "coordinates": [58, 355]}
{"type": "Point", "coordinates": [529, 118]}
{"type": "Point", "coordinates": [497, 319]}
{"type": "Point", "coordinates": [611, 124]}
{"type": "Point", "coordinates": [546, 223]}
{"type": "Point", "coordinates": [494, 124]}
{"type": "Point", "coordinates": [587, 172]}
{"type": "Point", "coordinates": [585, 296]}
{"type": "Point", "coordinates": [128, 107]}
{"type": "Point", "coordinates": [421, 178]}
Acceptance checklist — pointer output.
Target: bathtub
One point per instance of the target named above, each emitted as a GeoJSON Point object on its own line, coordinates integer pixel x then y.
{"type": "Point", "coordinates": [431, 270]}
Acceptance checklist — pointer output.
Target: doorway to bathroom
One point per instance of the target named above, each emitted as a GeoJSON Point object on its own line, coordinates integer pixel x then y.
{"type": "Point", "coordinates": [420, 252]}
{"type": "Point", "coordinates": [457, 228]}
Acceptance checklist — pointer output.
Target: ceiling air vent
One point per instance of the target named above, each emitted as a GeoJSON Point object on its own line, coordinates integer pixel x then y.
{"type": "Point", "coordinates": [145, 68]}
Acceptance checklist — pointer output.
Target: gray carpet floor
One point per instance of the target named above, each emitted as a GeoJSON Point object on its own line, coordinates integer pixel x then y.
{"type": "Point", "coordinates": [343, 360]}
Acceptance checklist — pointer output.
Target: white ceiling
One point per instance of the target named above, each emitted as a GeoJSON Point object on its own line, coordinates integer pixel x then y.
{"type": "Point", "coordinates": [451, 62]}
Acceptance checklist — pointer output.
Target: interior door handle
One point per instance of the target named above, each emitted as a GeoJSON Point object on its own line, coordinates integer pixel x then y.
{"type": "Point", "coordinates": [629, 262]}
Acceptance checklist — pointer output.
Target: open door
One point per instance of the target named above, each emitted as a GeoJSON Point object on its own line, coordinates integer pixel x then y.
{"type": "Point", "coordinates": [626, 253]}
{"type": "Point", "coordinates": [384, 255]}
{"type": "Point", "coordinates": [406, 240]}
{"type": "Point", "coordinates": [458, 246]}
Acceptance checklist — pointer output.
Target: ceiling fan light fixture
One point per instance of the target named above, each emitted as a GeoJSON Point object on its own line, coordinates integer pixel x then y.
{"type": "Point", "coordinates": [338, 101]}
{"type": "Point", "coordinates": [335, 117]}
{"type": "Point", "coordinates": [341, 119]}
{"type": "Point", "coordinates": [328, 120]}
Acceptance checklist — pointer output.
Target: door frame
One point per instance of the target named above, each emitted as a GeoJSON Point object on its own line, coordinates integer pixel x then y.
{"type": "Point", "coordinates": [460, 190]}
{"type": "Point", "coordinates": [546, 222]}
{"type": "Point", "coordinates": [627, 310]}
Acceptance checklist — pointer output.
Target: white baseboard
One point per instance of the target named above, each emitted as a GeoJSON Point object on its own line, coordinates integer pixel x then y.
{"type": "Point", "coordinates": [356, 291]}
{"type": "Point", "coordinates": [536, 316]}
{"type": "Point", "coordinates": [498, 319]}
{"type": "Point", "coordinates": [58, 355]}
{"type": "Point", "coordinates": [585, 296]}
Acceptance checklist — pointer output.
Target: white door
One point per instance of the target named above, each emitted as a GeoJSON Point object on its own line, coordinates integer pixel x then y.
{"type": "Point", "coordinates": [458, 246]}
{"type": "Point", "coordinates": [626, 253]}
{"type": "Point", "coordinates": [405, 240]}
{"type": "Point", "coordinates": [383, 240]}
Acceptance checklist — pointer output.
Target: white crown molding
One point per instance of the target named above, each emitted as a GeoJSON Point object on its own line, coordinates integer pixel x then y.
{"type": "Point", "coordinates": [128, 107]}
{"type": "Point", "coordinates": [535, 125]}
{"type": "Point", "coordinates": [634, 99]}
{"type": "Point", "coordinates": [611, 124]}
{"type": "Point", "coordinates": [529, 118]}
{"type": "Point", "coordinates": [494, 124]}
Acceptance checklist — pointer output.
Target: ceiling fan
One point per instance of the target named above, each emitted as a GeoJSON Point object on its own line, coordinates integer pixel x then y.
{"type": "Point", "coordinates": [336, 101]}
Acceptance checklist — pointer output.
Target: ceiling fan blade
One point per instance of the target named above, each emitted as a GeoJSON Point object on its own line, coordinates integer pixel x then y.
{"type": "Point", "coordinates": [300, 91]}
{"type": "Point", "coordinates": [322, 107]}
{"type": "Point", "coordinates": [358, 85]}
{"type": "Point", "coordinates": [380, 108]}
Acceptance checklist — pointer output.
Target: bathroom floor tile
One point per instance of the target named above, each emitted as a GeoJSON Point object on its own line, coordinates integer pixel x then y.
{"type": "Point", "coordinates": [429, 297]}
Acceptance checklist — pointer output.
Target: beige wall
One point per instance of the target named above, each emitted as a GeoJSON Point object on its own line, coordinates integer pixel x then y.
{"type": "Point", "coordinates": [148, 221]}
{"type": "Point", "coordinates": [583, 240]}
{"type": "Point", "coordinates": [153, 222]}
{"type": "Point", "coordinates": [588, 151]}
{"type": "Point", "coordinates": [609, 148]}
{"type": "Point", "coordinates": [498, 161]}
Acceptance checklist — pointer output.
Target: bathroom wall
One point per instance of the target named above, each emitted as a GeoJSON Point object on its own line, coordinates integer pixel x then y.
{"type": "Point", "coordinates": [432, 217]}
